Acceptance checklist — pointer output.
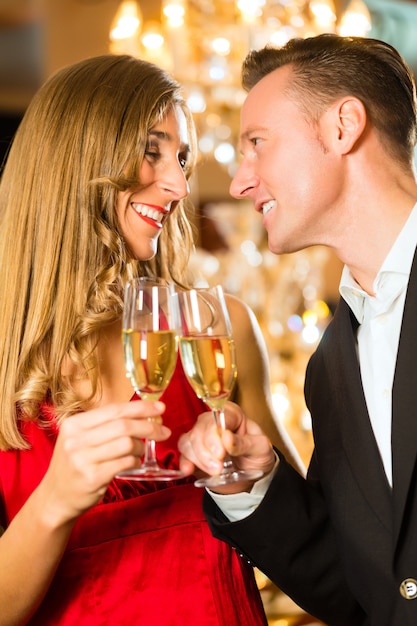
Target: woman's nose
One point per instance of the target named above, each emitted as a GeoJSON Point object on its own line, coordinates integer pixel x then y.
{"type": "Point", "coordinates": [175, 182]}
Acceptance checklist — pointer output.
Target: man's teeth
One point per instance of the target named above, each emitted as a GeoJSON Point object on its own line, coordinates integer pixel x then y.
{"type": "Point", "coordinates": [268, 206]}
{"type": "Point", "coordinates": [146, 211]}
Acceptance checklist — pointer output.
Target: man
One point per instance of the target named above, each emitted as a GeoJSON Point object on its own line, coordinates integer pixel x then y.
{"type": "Point", "coordinates": [328, 133]}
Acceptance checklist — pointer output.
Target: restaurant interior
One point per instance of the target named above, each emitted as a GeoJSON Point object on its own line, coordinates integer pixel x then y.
{"type": "Point", "coordinates": [202, 43]}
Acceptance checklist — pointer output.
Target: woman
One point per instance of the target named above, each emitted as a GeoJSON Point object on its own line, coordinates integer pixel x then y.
{"type": "Point", "coordinates": [91, 195]}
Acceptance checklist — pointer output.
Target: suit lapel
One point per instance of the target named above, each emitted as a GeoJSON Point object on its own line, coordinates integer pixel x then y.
{"type": "Point", "coordinates": [357, 434]}
{"type": "Point", "coordinates": [404, 404]}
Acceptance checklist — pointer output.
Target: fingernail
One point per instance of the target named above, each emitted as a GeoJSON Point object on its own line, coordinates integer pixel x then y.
{"type": "Point", "coordinates": [216, 451]}
{"type": "Point", "coordinates": [214, 466]}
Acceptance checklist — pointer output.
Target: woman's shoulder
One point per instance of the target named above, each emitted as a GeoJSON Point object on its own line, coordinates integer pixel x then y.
{"type": "Point", "coordinates": [240, 313]}
{"type": "Point", "coordinates": [244, 321]}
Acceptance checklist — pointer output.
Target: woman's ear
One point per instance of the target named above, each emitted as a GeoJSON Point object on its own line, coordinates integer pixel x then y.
{"type": "Point", "coordinates": [349, 115]}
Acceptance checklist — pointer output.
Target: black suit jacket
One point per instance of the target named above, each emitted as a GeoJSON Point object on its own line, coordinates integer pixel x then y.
{"type": "Point", "coordinates": [342, 543]}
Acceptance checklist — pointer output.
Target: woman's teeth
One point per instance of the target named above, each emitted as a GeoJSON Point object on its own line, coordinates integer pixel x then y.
{"type": "Point", "coordinates": [146, 211]}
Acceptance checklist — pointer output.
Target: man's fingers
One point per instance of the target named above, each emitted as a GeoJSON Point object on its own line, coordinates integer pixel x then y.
{"type": "Point", "coordinates": [205, 447]}
{"type": "Point", "coordinates": [208, 456]}
{"type": "Point", "coordinates": [251, 451]}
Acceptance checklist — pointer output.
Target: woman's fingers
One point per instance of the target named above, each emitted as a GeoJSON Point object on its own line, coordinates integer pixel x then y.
{"type": "Point", "coordinates": [113, 430]}
{"type": "Point", "coordinates": [92, 447]}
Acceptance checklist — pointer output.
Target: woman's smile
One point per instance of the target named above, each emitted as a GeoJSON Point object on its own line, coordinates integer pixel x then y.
{"type": "Point", "coordinates": [150, 213]}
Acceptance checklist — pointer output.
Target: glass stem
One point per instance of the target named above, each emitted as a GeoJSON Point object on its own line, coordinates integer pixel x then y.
{"type": "Point", "coordinates": [220, 420]}
{"type": "Point", "coordinates": [149, 459]}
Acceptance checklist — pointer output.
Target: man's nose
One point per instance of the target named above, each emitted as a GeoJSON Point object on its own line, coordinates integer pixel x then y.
{"type": "Point", "coordinates": [244, 181]}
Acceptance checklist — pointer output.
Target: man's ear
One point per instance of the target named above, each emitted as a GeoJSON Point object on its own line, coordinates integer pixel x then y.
{"type": "Point", "coordinates": [349, 115]}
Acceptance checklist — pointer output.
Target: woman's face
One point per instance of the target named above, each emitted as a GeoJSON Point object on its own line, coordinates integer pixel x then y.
{"type": "Point", "coordinates": [142, 211]}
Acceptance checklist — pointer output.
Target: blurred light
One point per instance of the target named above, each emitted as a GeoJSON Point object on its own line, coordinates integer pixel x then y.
{"type": "Point", "coordinates": [275, 328]}
{"type": "Point", "coordinates": [213, 120]}
{"type": "Point", "coordinates": [254, 258]}
{"type": "Point", "coordinates": [310, 292]}
{"type": "Point", "coordinates": [282, 36]}
{"type": "Point", "coordinates": [127, 21]}
{"type": "Point", "coordinates": [310, 334]}
{"type": "Point", "coordinates": [305, 420]}
{"type": "Point", "coordinates": [280, 403]}
{"type": "Point", "coordinates": [280, 399]}
{"type": "Point", "coordinates": [250, 9]}
{"type": "Point", "coordinates": [221, 45]}
{"type": "Point", "coordinates": [309, 318]}
{"type": "Point", "coordinates": [210, 265]}
{"type": "Point", "coordinates": [322, 309]}
{"type": "Point", "coordinates": [217, 72]}
{"type": "Point", "coordinates": [206, 143]}
{"type": "Point", "coordinates": [196, 101]}
{"type": "Point", "coordinates": [223, 131]}
{"type": "Point", "coordinates": [174, 11]}
{"type": "Point", "coordinates": [297, 21]}
{"type": "Point", "coordinates": [302, 268]}
{"type": "Point", "coordinates": [324, 11]}
{"type": "Point", "coordinates": [224, 153]}
{"type": "Point", "coordinates": [248, 247]}
{"type": "Point", "coordinates": [356, 20]}
{"type": "Point", "coordinates": [295, 323]}
{"type": "Point", "coordinates": [152, 37]}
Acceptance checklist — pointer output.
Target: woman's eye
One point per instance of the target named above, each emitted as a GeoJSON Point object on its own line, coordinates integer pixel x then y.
{"type": "Point", "coordinates": [255, 140]}
{"type": "Point", "coordinates": [152, 151]}
{"type": "Point", "coordinates": [152, 154]}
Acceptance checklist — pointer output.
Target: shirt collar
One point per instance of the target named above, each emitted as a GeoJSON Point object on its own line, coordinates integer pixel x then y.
{"type": "Point", "coordinates": [391, 279]}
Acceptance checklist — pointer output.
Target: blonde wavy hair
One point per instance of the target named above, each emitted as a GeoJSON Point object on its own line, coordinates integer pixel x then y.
{"type": "Point", "coordinates": [63, 260]}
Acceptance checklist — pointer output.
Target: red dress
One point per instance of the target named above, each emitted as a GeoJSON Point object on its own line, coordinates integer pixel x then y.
{"type": "Point", "coordinates": [144, 555]}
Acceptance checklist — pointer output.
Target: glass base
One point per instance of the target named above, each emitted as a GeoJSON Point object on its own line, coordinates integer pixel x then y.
{"type": "Point", "coordinates": [228, 477]}
{"type": "Point", "coordinates": [144, 473]}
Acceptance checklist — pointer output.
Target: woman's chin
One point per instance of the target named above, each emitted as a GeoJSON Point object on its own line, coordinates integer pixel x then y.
{"type": "Point", "coordinates": [145, 255]}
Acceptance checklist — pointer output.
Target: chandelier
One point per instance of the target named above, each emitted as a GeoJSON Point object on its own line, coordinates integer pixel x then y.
{"type": "Point", "coordinates": [202, 44]}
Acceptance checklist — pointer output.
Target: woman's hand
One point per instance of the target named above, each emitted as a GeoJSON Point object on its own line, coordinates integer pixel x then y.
{"type": "Point", "coordinates": [92, 447]}
{"type": "Point", "coordinates": [205, 447]}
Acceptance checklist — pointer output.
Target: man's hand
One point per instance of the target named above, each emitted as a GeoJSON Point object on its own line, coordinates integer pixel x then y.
{"type": "Point", "coordinates": [205, 446]}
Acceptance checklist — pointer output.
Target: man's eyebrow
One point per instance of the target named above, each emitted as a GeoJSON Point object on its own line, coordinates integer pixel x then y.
{"type": "Point", "coordinates": [254, 129]}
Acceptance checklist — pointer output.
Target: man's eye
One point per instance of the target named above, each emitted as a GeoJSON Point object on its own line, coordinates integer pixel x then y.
{"type": "Point", "coordinates": [255, 140]}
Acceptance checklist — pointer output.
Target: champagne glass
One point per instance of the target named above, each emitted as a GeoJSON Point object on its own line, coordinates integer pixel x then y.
{"type": "Point", "coordinates": [208, 357]}
{"type": "Point", "coordinates": [150, 345]}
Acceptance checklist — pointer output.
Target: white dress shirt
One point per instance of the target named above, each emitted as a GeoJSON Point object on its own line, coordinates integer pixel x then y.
{"type": "Point", "coordinates": [379, 320]}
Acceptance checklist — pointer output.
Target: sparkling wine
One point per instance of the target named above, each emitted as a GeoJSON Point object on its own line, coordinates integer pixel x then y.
{"type": "Point", "coordinates": [150, 358]}
{"type": "Point", "coordinates": [209, 364]}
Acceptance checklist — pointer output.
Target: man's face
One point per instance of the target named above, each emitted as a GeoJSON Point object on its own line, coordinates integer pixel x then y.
{"type": "Point", "coordinates": [289, 167]}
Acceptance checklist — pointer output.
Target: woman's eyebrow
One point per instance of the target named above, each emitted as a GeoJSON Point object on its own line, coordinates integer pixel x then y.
{"type": "Point", "coordinates": [161, 134]}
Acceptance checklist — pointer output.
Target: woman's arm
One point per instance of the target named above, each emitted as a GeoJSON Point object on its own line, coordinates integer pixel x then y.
{"type": "Point", "coordinates": [253, 393]}
{"type": "Point", "coordinates": [91, 448]}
